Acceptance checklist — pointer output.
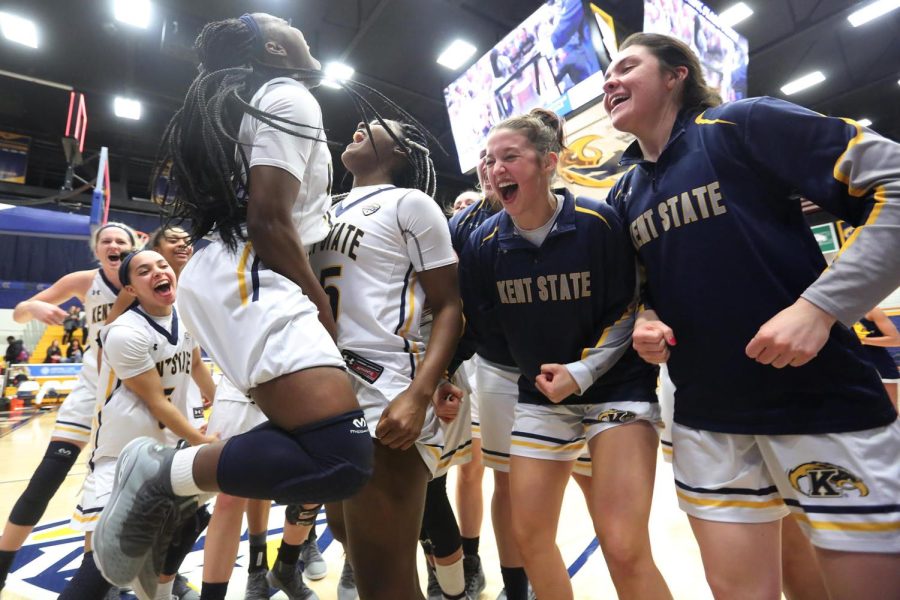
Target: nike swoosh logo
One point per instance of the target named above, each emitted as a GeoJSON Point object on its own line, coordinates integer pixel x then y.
{"type": "Point", "coordinates": [701, 121]}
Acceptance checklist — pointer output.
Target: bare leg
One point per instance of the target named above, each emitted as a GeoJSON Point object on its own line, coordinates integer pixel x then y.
{"type": "Point", "coordinates": [728, 548]}
{"type": "Point", "coordinates": [801, 575]}
{"type": "Point", "coordinates": [223, 536]}
{"type": "Point", "coordinates": [469, 500]}
{"type": "Point", "coordinates": [536, 488]}
{"type": "Point", "coordinates": [383, 549]}
{"type": "Point", "coordinates": [621, 499]}
{"type": "Point", "coordinates": [856, 575]}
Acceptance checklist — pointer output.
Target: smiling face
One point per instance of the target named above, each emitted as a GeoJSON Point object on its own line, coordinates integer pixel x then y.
{"type": "Point", "coordinates": [483, 179]}
{"type": "Point", "coordinates": [175, 247]}
{"type": "Point", "coordinates": [520, 175]}
{"type": "Point", "coordinates": [111, 244]}
{"type": "Point", "coordinates": [378, 153]}
{"type": "Point", "coordinates": [152, 282]}
{"type": "Point", "coordinates": [638, 90]}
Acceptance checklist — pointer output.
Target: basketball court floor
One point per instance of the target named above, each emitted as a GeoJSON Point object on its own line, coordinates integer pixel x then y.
{"type": "Point", "coordinates": [53, 552]}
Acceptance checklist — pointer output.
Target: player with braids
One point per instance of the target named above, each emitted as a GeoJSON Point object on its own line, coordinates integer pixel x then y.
{"type": "Point", "coordinates": [249, 297]}
{"type": "Point", "coordinates": [389, 244]}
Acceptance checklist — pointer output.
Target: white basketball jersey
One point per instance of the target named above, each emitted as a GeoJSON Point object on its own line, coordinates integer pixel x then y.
{"type": "Point", "coordinates": [309, 160]}
{"type": "Point", "coordinates": [121, 415]}
{"type": "Point", "coordinates": [98, 301]}
{"type": "Point", "coordinates": [381, 238]}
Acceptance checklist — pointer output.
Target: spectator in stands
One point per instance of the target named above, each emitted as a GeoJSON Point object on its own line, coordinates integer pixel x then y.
{"type": "Point", "coordinates": [82, 322]}
{"type": "Point", "coordinates": [12, 349]}
{"type": "Point", "coordinates": [74, 352]}
{"type": "Point", "coordinates": [70, 324]}
{"type": "Point", "coordinates": [54, 353]}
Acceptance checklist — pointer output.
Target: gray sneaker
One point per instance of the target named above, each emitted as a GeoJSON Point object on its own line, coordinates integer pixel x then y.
{"type": "Point", "coordinates": [314, 566]}
{"type": "Point", "coordinates": [114, 593]}
{"type": "Point", "coordinates": [347, 584]}
{"type": "Point", "coordinates": [434, 588]}
{"type": "Point", "coordinates": [289, 581]}
{"type": "Point", "coordinates": [257, 586]}
{"type": "Point", "coordinates": [475, 582]}
{"type": "Point", "coordinates": [531, 595]}
{"type": "Point", "coordinates": [182, 591]}
{"type": "Point", "coordinates": [136, 527]}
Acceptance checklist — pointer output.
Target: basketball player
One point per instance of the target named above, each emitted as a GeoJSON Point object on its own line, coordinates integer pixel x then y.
{"type": "Point", "coordinates": [565, 268]}
{"type": "Point", "coordinates": [149, 358]}
{"type": "Point", "coordinates": [387, 260]}
{"type": "Point", "coordinates": [250, 296]}
{"type": "Point", "coordinates": [776, 411]}
{"type": "Point", "coordinates": [96, 289]}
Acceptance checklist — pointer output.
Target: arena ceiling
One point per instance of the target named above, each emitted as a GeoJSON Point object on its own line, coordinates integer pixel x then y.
{"type": "Point", "coordinates": [393, 45]}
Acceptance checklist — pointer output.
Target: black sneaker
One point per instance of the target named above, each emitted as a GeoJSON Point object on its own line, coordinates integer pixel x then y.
{"type": "Point", "coordinates": [182, 591]}
{"type": "Point", "coordinates": [475, 582]}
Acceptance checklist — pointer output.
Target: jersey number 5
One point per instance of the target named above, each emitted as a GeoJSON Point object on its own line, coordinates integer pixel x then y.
{"type": "Point", "coordinates": [334, 293]}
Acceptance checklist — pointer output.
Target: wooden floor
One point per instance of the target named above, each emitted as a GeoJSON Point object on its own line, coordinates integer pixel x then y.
{"type": "Point", "coordinates": [53, 552]}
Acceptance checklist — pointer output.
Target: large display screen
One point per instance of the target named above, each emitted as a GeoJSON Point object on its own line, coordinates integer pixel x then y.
{"type": "Point", "coordinates": [554, 59]}
{"type": "Point", "coordinates": [723, 53]}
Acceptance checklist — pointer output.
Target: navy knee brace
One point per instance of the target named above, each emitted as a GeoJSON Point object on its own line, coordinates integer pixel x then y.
{"type": "Point", "coordinates": [47, 478]}
{"type": "Point", "coordinates": [439, 524]}
{"type": "Point", "coordinates": [321, 462]}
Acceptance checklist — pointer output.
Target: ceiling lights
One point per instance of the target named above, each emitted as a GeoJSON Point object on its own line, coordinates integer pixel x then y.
{"type": "Point", "coordinates": [133, 12]}
{"type": "Point", "coordinates": [735, 14]}
{"type": "Point", "coordinates": [19, 30]}
{"type": "Point", "coordinates": [802, 83]}
{"type": "Point", "coordinates": [335, 73]}
{"type": "Point", "coordinates": [456, 54]}
{"type": "Point", "coordinates": [872, 11]}
{"type": "Point", "coordinates": [127, 108]}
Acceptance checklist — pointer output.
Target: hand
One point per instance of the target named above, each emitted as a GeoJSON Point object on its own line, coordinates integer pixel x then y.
{"type": "Point", "coordinates": [207, 402]}
{"type": "Point", "coordinates": [652, 338]}
{"type": "Point", "coordinates": [202, 438]}
{"type": "Point", "coordinates": [792, 337]}
{"type": "Point", "coordinates": [555, 382]}
{"type": "Point", "coordinates": [402, 420]}
{"type": "Point", "coordinates": [47, 313]}
{"type": "Point", "coordinates": [446, 401]}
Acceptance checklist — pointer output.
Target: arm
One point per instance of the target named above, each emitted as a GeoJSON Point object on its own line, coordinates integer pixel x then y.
{"type": "Point", "coordinates": [202, 377]}
{"type": "Point", "coordinates": [890, 337]}
{"type": "Point", "coordinates": [429, 249]}
{"type": "Point", "coordinates": [614, 303]}
{"type": "Point", "coordinates": [43, 306]}
{"type": "Point", "coordinates": [123, 301]}
{"type": "Point", "coordinates": [148, 387]}
{"type": "Point", "coordinates": [275, 239]}
{"type": "Point", "coordinates": [569, 19]}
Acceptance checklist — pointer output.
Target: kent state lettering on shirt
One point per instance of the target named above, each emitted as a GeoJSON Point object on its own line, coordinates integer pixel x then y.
{"type": "Point", "coordinates": [180, 362]}
{"type": "Point", "coordinates": [682, 209]}
{"type": "Point", "coordinates": [545, 288]}
{"type": "Point", "coordinates": [100, 312]}
{"type": "Point", "coordinates": [343, 237]}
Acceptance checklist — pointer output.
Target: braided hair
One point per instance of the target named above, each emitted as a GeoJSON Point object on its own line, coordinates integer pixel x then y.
{"type": "Point", "coordinates": [209, 166]}
{"type": "Point", "coordinates": [420, 173]}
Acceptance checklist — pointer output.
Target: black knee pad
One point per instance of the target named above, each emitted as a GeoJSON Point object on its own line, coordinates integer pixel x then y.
{"type": "Point", "coordinates": [47, 478]}
{"type": "Point", "coordinates": [184, 539]}
{"type": "Point", "coordinates": [439, 524]}
{"type": "Point", "coordinates": [322, 462]}
{"type": "Point", "coordinates": [295, 514]}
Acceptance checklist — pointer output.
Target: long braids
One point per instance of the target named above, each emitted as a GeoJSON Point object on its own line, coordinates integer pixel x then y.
{"type": "Point", "coordinates": [420, 175]}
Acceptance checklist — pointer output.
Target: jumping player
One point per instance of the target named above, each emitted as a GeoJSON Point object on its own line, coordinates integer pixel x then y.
{"type": "Point", "coordinates": [97, 289]}
{"type": "Point", "coordinates": [776, 411]}
{"type": "Point", "coordinates": [250, 296]}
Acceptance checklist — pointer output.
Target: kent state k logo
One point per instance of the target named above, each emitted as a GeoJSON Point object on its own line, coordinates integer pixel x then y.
{"type": "Point", "coordinates": [825, 480]}
{"type": "Point", "coordinates": [616, 416]}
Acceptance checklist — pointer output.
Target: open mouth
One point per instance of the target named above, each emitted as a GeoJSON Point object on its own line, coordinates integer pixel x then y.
{"type": "Point", "coordinates": [508, 190]}
{"type": "Point", "coordinates": [617, 99]}
{"type": "Point", "coordinates": [113, 258]}
{"type": "Point", "coordinates": [163, 287]}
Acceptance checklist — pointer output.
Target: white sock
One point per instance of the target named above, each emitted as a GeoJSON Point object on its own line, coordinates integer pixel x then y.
{"type": "Point", "coordinates": [182, 475]}
{"type": "Point", "coordinates": [164, 591]}
{"type": "Point", "coordinates": [451, 578]}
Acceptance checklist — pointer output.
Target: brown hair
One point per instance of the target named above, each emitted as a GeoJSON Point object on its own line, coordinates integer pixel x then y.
{"type": "Point", "coordinates": [672, 53]}
{"type": "Point", "coordinates": [543, 128]}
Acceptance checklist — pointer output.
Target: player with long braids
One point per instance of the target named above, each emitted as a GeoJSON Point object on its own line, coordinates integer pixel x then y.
{"type": "Point", "coordinates": [387, 263]}
{"type": "Point", "coordinates": [249, 297]}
